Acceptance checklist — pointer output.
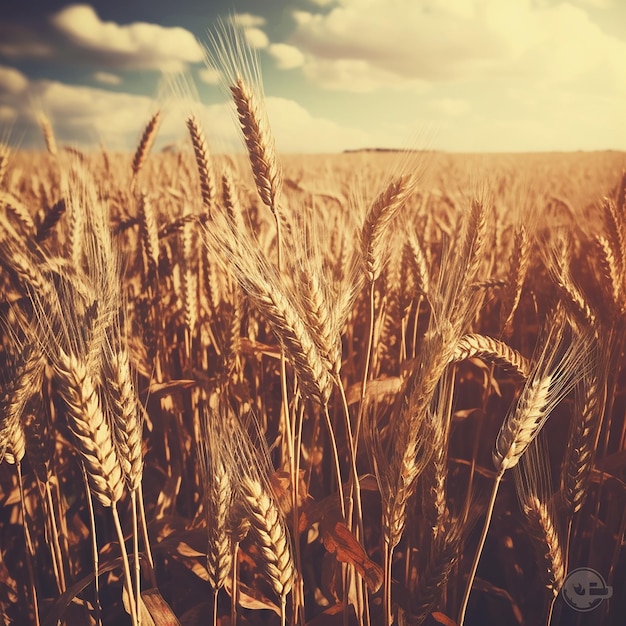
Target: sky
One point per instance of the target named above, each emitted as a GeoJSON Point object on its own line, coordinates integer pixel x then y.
{"type": "Point", "coordinates": [456, 75]}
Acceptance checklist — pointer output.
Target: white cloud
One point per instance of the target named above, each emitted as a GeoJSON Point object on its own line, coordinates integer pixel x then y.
{"type": "Point", "coordinates": [256, 38]}
{"type": "Point", "coordinates": [247, 20]}
{"type": "Point", "coordinates": [210, 76]}
{"type": "Point", "coordinates": [11, 80]}
{"type": "Point", "coordinates": [107, 78]}
{"type": "Point", "coordinates": [139, 45]}
{"type": "Point", "coordinates": [357, 75]}
{"type": "Point", "coordinates": [455, 41]}
{"type": "Point", "coordinates": [296, 130]}
{"type": "Point", "coordinates": [89, 116]}
{"type": "Point", "coordinates": [84, 115]}
{"type": "Point", "coordinates": [287, 57]}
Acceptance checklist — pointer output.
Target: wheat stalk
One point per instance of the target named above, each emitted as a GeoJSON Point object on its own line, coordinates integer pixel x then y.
{"type": "Point", "coordinates": [610, 273]}
{"type": "Point", "coordinates": [203, 163]}
{"type": "Point", "coordinates": [218, 500]}
{"type": "Point", "coordinates": [122, 400]}
{"type": "Point", "coordinates": [474, 345]}
{"type": "Point", "coordinates": [87, 421]}
{"type": "Point", "coordinates": [518, 265]}
{"type": "Point", "coordinates": [270, 535]}
{"type": "Point", "coordinates": [580, 451]}
{"type": "Point", "coordinates": [5, 153]}
{"type": "Point", "coordinates": [266, 292]}
{"type": "Point", "coordinates": [231, 201]}
{"type": "Point", "coordinates": [48, 135]}
{"type": "Point", "coordinates": [148, 227]}
{"type": "Point", "coordinates": [533, 485]}
{"type": "Point", "coordinates": [443, 557]}
{"type": "Point", "coordinates": [376, 225]}
{"type": "Point", "coordinates": [545, 534]}
{"type": "Point", "coordinates": [18, 210]}
{"type": "Point", "coordinates": [419, 263]}
{"type": "Point", "coordinates": [260, 144]}
{"type": "Point", "coordinates": [561, 363]}
{"type": "Point", "coordinates": [145, 143]}
{"type": "Point", "coordinates": [614, 221]}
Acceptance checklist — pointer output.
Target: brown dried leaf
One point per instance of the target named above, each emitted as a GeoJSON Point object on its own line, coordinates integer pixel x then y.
{"type": "Point", "coordinates": [338, 540]}
{"type": "Point", "coordinates": [157, 609]}
{"type": "Point", "coordinates": [250, 598]}
{"type": "Point", "coordinates": [440, 618]}
{"type": "Point", "coordinates": [158, 390]}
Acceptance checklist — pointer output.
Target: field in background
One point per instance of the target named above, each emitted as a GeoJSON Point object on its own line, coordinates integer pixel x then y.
{"type": "Point", "coordinates": [235, 350]}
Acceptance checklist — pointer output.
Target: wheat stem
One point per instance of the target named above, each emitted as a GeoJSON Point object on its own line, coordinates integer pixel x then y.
{"type": "Point", "coordinates": [136, 561]}
{"type": "Point", "coordinates": [95, 555]}
{"type": "Point", "coordinates": [144, 532]}
{"type": "Point", "coordinates": [479, 549]}
{"type": "Point", "coordinates": [30, 551]}
{"type": "Point", "coordinates": [127, 575]}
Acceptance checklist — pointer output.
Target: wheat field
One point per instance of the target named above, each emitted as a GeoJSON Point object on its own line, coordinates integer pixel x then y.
{"type": "Point", "coordinates": [370, 388]}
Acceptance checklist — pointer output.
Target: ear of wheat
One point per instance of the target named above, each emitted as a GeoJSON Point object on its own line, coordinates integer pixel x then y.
{"type": "Point", "coordinates": [558, 368]}
{"type": "Point", "coordinates": [261, 513]}
{"type": "Point", "coordinates": [203, 163]}
{"type": "Point", "coordinates": [560, 364]}
{"type": "Point", "coordinates": [532, 481]}
{"type": "Point", "coordinates": [265, 290]}
{"type": "Point", "coordinates": [145, 143]}
{"type": "Point", "coordinates": [218, 494]}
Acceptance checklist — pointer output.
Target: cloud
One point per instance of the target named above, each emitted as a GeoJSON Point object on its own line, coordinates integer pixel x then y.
{"type": "Point", "coordinates": [210, 76]}
{"type": "Point", "coordinates": [297, 130]}
{"type": "Point", "coordinates": [107, 78]}
{"type": "Point", "coordinates": [247, 20]}
{"type": "Point", "coordinates": [83, 115]}
{"type": "Point", "coordinates": [12, 81]}
{"type": "Point", "coordinates": [356, 75]}
{"type": "Point", "coordinates": [88, 116]}
{"type": "Point", "coordinates": [294, 128]}
{"type": "Point", "coordinates": [256, 38]}
{"type": "Point", "coordinates": [287, 57]}
{"type": "Point", "coordinates": [250, 26]}
{"type": "Point", "coordinates": [454, 41]}
{"type": "Point", "coordinates": [135, 46]}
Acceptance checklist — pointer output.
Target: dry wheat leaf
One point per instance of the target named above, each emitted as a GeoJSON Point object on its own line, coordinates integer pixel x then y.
{"type": "Point", "coordinates": [442, 619]}
{"type": "Point", "coordinates": [338, 540]}
{"type": "Point", "coordinates": [250, 598]}
{"type": "Point", "coordinates": [158, 390]}
{"type": "Point", "coordinates": [185, 549]}
{"type": "Point", "coordinates": [313, 512]}
{"type": "Point", "coordinates": [256, 348]}
{"type": "Point", "coordinates": [368, 482]}
{"type": "Point", "coordinates": [155, 608]}
{"type": "Point", "coordinates": [62, 602]}
{"type": "Point", "coordinates": [193, 565]}
{"type": "Point", "coordinates": [463, 414]}
{"type": "Point", "coordinates": [377, 389]}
